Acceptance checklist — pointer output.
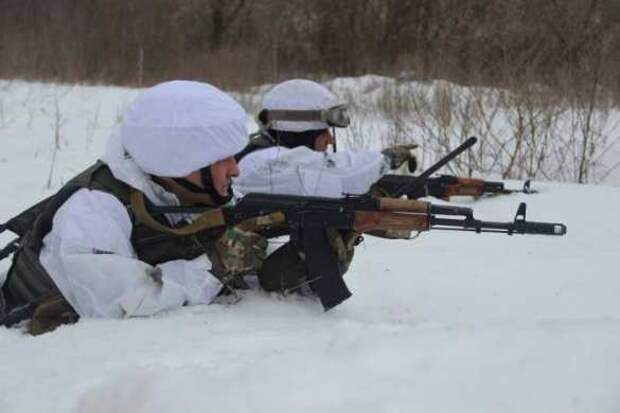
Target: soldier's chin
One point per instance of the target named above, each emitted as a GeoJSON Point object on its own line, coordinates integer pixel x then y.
{"type": "Point", "coordinates": [223, 191]}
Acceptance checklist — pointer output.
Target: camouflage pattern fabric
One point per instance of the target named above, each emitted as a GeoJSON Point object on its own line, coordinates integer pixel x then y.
{"type": "Point", "coordinates": [343, 248]}
{"type": "Point", "coordinates": [240, 253]}
{"type": "Point", "coordinates": [400, 154]}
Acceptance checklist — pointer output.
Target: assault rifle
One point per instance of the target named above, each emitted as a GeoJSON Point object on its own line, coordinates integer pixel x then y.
{"type": "Point", "coordinates": [446, 186]}
{"type": "Point", "coordinates": [306, 218]}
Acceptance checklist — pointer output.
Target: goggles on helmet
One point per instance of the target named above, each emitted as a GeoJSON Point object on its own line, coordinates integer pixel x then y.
{"type": "Point", "coordinates": [335, 116]}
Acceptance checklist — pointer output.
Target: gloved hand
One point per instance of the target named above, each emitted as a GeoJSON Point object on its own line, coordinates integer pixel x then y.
{"type": "Point", "coordinates": [240, 252]}
{"type": "Point", "coordinates": [399, 154]}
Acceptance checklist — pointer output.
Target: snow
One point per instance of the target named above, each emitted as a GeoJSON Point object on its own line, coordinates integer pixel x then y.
{"type": "Point", "coordinates": [446, 322]}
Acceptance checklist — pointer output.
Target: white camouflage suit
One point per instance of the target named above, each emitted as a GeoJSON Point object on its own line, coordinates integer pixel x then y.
{"type": "Point", "coordinates": [300, 170]}
{"type": "Point", "coordinates": [171, 130]}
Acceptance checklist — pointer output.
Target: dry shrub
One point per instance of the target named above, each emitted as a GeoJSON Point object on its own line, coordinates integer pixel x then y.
{"type": "Point", "coordinates": [532, 133]}
{"type": "Point", "coordinates": [244, 42]}
{"type": "Point", "coordinates": [542, 74]}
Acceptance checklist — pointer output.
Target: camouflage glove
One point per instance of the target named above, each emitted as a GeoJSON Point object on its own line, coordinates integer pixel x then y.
{"type": "Point", "coordinates": [240, 253]}
{"type": "Point", "coordinates": [399, 154]}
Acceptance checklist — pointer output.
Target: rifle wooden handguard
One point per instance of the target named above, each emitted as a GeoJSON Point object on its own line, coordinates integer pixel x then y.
{"type": "Point", "coordinates": [403, 205]}
{"type": "Point", "coordinates": [366, 221]}
{"type": "Point", "coordinates": [464, 187]}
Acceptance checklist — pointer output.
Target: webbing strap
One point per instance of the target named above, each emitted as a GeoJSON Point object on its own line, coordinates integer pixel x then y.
{"type": "Point", "coordinates": [9, 248]}
{"type": "Point", "coordinates": [292, 115]}
{"type": "Point", "coordinates": [207, 220]}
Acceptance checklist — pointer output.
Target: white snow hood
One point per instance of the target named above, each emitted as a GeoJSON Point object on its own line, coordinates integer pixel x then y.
{"type": "Point", "coordinates": [178, 127]}
{"type": "Point", "coordinates": [299, 94]}
{"type": "Point", "coordinates": [125, 169]}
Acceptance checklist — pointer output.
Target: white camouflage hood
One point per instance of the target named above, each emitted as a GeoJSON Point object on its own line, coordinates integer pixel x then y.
{"type": "Point", "coordinates": [299, 94]}
{"type": "Point", "coordinates": [125, 169]}
{"type": "Point", "coordinates": [178, 127]}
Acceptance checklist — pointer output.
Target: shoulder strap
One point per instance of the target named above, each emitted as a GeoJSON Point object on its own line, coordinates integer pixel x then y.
{"type": "Point", "coordinates": [9, 249]}
{"type": "Point", "coordinates": [24, 221]}
{"type": "Point", "coordinates": [209, 219]}
{"type": "Point", "coordinates": [38, 218]}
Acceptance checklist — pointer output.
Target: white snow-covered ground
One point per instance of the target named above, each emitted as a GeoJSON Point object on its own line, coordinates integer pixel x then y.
{"type": "Point", "coordinates": [448, 322]}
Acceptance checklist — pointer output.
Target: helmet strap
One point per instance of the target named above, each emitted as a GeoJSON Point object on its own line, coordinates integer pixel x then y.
{"type": "Point", "coordinates": [208, 188]}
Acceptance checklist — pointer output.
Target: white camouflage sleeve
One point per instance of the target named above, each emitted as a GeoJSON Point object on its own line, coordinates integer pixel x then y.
{"type": "Point", "coordinates": [88, 254]}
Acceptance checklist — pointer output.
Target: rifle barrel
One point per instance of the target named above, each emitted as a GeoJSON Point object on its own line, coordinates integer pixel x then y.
{"type": "Point", "coordinates": [456, 152]}
{"type": "Point", "coordinates": [420, 180]}
{"type": "Point", "coordinates": [517, 227]}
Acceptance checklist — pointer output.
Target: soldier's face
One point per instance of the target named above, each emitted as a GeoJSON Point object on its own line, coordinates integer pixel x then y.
{"type": "Point", "coordinates": [323, 141]}
{"type": "Point", "coordinates": [222, 173]}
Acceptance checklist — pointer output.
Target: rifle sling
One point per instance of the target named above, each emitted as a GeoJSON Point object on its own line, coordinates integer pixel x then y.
{"type": "Point", "coordinates": [292, 115]}
{"type": "Point", "coordinates": [209, 219]}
